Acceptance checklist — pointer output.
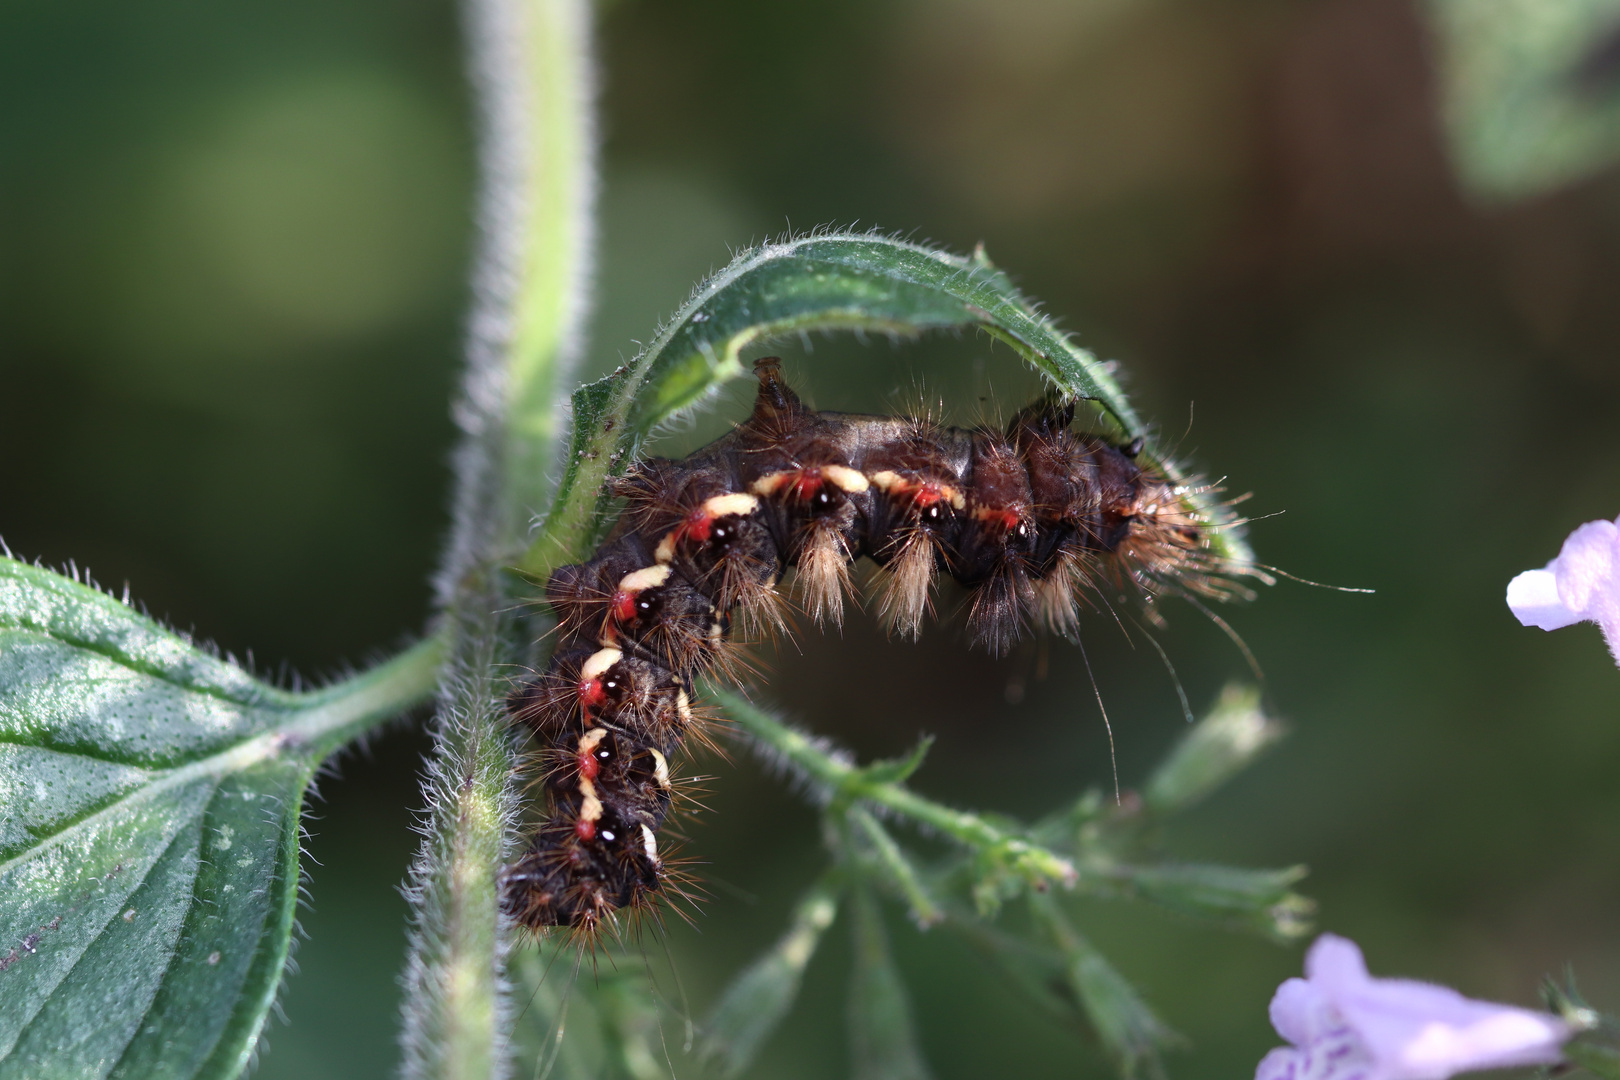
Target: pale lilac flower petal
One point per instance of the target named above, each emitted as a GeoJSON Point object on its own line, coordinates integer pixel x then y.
{"type": "Point", "coordinates": [1533, 597]}
{"type": "Point", "coordinates": [1581, 585]}
{"type": "Point", "coordinates": [1347, 1025]}
{"type": "Point", "coordinates": [1301, 1013]}
{"type": "Point", "coordinates": [1337, 1055]}
{"type": "Point", "coordinates": [1588, 572]}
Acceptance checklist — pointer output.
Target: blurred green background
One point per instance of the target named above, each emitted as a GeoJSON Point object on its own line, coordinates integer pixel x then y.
{"type": "Point", "coordinates": [231, 282]}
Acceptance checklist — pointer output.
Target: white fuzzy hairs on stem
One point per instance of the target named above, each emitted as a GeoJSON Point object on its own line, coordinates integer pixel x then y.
{"type": "Point", "coordinates": [529, 64]}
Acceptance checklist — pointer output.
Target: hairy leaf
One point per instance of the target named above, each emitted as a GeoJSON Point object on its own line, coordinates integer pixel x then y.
{"type": "Point", "coordinates": [751, 1007]}
{"type": "Point", "coordinates": [149, 800]}
{"type": "Point", "coordinates": [1130, 1032]}
{"type": "Point", "coordinates": [882, 1038]}
{"type": "Point", "coordinates": [824, 282]}
{"type": "Point", "coordinates": [1233, 733]}
{"type": "Point", "coordinates": [1259, 900]}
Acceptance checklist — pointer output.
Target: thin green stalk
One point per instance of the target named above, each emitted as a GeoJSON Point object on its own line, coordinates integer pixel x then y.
{"type": "Point", "coordinates": [348, 709]}
{"type": "Point", "coordinates": [898, 869]}
{"type": "Point", "coordinates": [844, 780]}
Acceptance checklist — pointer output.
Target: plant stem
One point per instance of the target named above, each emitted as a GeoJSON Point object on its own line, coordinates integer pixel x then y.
{"type": "Point", "coordinates": [530, 68]}
{"type": "Point", "coordinates": [341, 712]}
{"type": "Point", "coordinates": [844, 780]}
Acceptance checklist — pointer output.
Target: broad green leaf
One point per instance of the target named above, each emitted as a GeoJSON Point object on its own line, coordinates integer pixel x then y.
{"type": "Point", "coordinates": [882, 1039]}
{"type": "Point", "coordinates": [825, 282]}
{"type": "Point", "coordinates": [149, 800]}
{"type": "Point", "coordinates": [1530, 91]}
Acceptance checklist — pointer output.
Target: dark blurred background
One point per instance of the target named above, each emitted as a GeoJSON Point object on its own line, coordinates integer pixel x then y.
{"type": "Point", "coordinates": [231, 282]}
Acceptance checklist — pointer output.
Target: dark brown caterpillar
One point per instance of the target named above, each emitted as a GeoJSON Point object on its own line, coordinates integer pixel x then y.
{"type": "Point", "coordinates": [1028, 519]}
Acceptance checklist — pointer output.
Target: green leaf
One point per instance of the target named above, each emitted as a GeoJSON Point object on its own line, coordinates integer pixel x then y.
{"type": "Point", "coordinates": [1130, 1031]}
{"type": "Point", "coordinates": [898, 770]}
{"type": "Point", "coordinates": [823, 282]}
{"type": "Point", "coordinates": [1259, 900]}
{"type": "Point", "coordinates": [755, 1003]}
{"type": "Point", "coordinates": [882, 1041]}
{"type": "Point", "coordinates": [1217, 748]}
{"type": "Point", "coordinates": [1530, 92]}
{"type": "Point", "coordinates": [1597, 1059]}
{"type": "Point", "coordinates": [149, 800]}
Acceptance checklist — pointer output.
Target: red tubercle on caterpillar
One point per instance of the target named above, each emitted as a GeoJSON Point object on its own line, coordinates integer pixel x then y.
{"type": "Point", "coordinates": [804, 484]}
{"type": "Point", "coordinates": [622, 607]}
{"type": "Point", "coordinates": [1000, 517]}
{"type": "Point", "coordinates": [585, 761]}
{"type": "Point", "coordinates": [920, 495]}
{"type": "Point", "coordinates": [695, 526]}
{"type": "Point", "coordinates": [592, 694]}
{"type": "Point", "coordinates": [585, 829]}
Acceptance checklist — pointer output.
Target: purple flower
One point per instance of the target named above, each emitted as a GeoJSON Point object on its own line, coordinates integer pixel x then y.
{"type": "Point", "coordinates": [1347, 1025]}
{"type": "Point", "coordinates": [1581, 585]}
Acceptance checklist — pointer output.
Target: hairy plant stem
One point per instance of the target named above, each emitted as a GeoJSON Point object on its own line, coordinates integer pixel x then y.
{"type": "Point", "coordinates": [530, 69]}
{"type": "Point", "coordinates": [846, 782]}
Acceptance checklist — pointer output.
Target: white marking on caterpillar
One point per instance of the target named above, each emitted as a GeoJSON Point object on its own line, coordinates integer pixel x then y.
{"type": "Point", "coordinates": [649, 844]}
{"type": "Point", "coordinates": [660, 768]}
{"type": "Point", "coordinates": [738, 503]}
{"type": "Point", "coordinates": [683, 706]}
{"type": "Point", "coordinates": [770, 483]}
{"type": "Point", "coordinates": [590, 806]}
{"type": "Point", "coordinates": [845, 478]}
{"type": "Point", "coordinates": [648, 577]}
{"type": "Point", "coordinates": [598, 662]}
{"type": "Point", "coordinates": [841, 477]}
{"type": "Point", "coordinates": [890, 482]}
{"type": "Point", "coordinates": [885, 479]}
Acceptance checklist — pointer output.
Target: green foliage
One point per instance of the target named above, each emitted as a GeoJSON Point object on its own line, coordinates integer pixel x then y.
{"type": "Point", "coordinates": [762, 995]}
{"type": "Point", "coordinates": [882, 1042]}
{"type": "Point", "coordinates": [1531, 94]}
{"type": "Point", "coordinates": [817, 283]}
{"type": "Point", "coordinates": [149, 843]}
{"type": "Point", "coordinates": [1234, 733]}
{"type": "Point", "coordinates": [153, 791]}
{"type": "Point", "coordinates": [455, 1006]}
{"type": "Point", "coordinates": [1091, 849]}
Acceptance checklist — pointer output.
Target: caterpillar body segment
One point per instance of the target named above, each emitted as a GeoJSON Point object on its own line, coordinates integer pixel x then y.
{"type": "Point", "coordinates": [1029, 519]}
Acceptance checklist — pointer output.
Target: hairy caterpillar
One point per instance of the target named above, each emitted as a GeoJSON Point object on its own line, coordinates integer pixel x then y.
{"type": "Point", "coordinates": [1029, 519]}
